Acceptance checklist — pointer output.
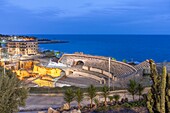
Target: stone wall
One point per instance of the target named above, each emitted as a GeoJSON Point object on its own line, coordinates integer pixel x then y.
{"type": "Point", "coordinates": [107, 74]}
{"type": "Point", "coordinates": [96, 70]}
{"type": "Point", "coordinates": [98, 63]}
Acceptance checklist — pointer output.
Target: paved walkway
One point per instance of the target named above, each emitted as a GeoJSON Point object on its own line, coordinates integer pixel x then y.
{"type": "Point", "coordinates": [38, 102]}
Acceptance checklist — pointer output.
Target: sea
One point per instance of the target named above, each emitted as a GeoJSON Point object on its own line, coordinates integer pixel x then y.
{"type": "Point", "coordinates": [130, 47]}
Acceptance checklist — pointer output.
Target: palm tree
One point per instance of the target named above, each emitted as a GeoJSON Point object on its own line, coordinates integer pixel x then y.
{"type": "Point", "coordinates": [79, 97]}
{"type": "Point", "coordinates": [140, 89]}
{"type": "Point", "coordinates": [116, 98]}
{"type": "Point", "coordinates": [13, 92]}
{"type": "Point", "coordinates": [132, 88]}
{"type": "Point", "coordinates": [111, 98]}
{"type": "Point", "coordinates": [105, 93]}
{"type": "Point", "coordinates": [69, 96]}
{"type": "Point", "coordinates": [91, 92]}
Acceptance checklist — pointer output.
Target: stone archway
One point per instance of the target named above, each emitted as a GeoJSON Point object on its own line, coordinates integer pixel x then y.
{"type": "Point", "coordinates": [79, 64]}
{"type": "Point", "coordinates": [102, 81]}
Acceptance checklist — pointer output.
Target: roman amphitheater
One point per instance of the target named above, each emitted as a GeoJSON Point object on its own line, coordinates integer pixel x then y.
{"type": "Point", "coordinates": [77, 70]}
{"type": "Point", "coordinates": [87, 69]}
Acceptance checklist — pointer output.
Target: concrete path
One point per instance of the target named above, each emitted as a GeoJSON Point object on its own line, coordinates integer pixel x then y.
{"type": "Point", "coordinates": [38, 102]}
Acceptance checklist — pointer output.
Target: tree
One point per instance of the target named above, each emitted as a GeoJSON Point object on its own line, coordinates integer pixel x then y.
{"type": "Point", "coordinates": [114, 59]}
{"type": "Point", "coordinates": [79, 97]}
{"type": "Point", "coordinates": [69, 96]}
{"type": "Point", "coordinates": [13, 93]}
{"type": "Point", "coordinates": [105, 93]}
{"type": "Point", "coordinates": [124, 60]}
{"type": "Point", "coordinates": [49, 53]}
{"type": "Point", "coordinates": [140, 89]}
{"type": "Point", "coordinates": [91, 92]}
{"type": "Point", "coordinates": [116, 98]}
{"type": "Point", "coordinates": [57, 54]}
{"type": "Point", "coordinates": [132, 88]}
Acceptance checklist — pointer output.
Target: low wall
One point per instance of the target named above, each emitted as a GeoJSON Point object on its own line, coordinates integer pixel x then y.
{"type": "Point", "coordinates": [107, 74]}
{"type": "Point", "coordinates": [85, 68]}
{"type": "Point", "coordinates": [90, 76]}
{"type": "Point", "coordinates": [96, 70]}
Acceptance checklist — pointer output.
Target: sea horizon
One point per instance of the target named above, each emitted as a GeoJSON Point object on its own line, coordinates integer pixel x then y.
{"type": "Point", "coordinates": [130, 47]}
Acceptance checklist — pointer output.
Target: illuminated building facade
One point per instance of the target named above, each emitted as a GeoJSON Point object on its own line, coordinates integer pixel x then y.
{"type": "Point", "coordinates": [23, 47]}
{"type": "Point", "coordinates": [18, 45]}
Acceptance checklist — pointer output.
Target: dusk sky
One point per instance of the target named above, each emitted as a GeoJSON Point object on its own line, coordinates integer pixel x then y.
{"type": "Point", "coordinates": [85, 16]}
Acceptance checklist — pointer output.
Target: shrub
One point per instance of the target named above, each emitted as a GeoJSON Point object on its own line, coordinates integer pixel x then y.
{"type": "Point", "coordinates": [111, 98]}
{"type": "Point", "coordinates": [116, 97]}
{"type": "Point", "coordinates": [126, 105]}
{"type": "Point", "coordinates": [132, 88]}
{"type": "Point", "coordinates": [102, 109]}
{"type": "Point", "coordinates": [96, 101]}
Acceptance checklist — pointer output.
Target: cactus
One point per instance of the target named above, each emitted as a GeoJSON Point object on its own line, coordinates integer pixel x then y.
{"type": "Point", "coordinates": [163, 89]}
{"type": "Point", "coordinates": [168, 94]}
{"type": "Point", "coordinates": [158, 99]}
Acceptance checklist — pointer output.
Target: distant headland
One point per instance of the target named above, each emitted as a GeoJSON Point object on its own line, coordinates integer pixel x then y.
{"type": "Point", "coordinates": [23, 37]}
{"type": "Point", "coordinates": [48, 41]}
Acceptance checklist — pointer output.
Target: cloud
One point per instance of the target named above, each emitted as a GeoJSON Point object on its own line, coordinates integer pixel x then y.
{"type": "Point", "coordinates": [72, 8]}
{"type": "Point", "coordinates": [85, 15]}
{"type": "Point", "coordinates": [59, 9]}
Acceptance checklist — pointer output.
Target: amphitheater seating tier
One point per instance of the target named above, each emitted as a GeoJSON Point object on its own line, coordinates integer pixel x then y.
{"type": "Point", "coordinates": [118, 69]}
{"type": "Point", "coordinates": [143, 65]}
{"type": "Point", "coordinates": [79, 80]}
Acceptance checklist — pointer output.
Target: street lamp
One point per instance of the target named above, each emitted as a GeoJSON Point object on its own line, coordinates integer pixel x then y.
{"type": "Point", "coordinates": [109, 74]}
